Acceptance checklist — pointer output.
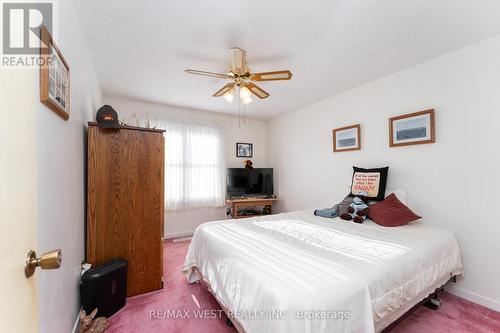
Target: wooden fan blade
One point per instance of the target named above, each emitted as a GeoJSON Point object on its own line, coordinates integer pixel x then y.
{"type": "Point", "coordinates": [271, 76]}
{"type": "Point", "coordinates": [239, 60]}
{"type": "Point", "coordinates": [224, 89]}
{"type": "Point", "coordinates": [256, 90]}
{"type": "Point", "coordinates": [204, 73]}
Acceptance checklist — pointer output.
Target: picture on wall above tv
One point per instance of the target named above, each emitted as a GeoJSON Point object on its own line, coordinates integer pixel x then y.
{"type": "Point", "coordinates": [244, 149]}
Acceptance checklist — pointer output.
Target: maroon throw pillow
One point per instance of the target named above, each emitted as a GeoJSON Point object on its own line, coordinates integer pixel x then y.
{"type": "Point", "coordinates": [391, 212]}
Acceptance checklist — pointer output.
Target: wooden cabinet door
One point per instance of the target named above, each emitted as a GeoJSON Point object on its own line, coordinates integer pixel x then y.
{"type": "Point", "coordinates": [125, 203]}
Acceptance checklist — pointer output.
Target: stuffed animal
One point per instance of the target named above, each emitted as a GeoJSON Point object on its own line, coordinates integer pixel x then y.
{"type": "Point", "coordinates": [248, 165]}
{"type": "Point", "coordinates": [357, 210]}
{"type": "Point", "coordinates": [89, 325]}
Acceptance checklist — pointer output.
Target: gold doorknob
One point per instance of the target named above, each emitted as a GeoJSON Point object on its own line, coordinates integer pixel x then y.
{"type": "Point", "coordinates": [49, 260]}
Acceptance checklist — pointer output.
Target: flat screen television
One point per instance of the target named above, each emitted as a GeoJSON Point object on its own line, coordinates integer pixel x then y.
{"type": "Point", "coordinates": [249, 183]}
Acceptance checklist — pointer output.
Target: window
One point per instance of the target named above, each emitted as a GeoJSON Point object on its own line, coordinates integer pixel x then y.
{"type": "Point", "coordinates": [194, 167]}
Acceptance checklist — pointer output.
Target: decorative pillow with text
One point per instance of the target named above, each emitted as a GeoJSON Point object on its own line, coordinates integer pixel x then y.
{"type": "Point", "coordinates": [371, 181]}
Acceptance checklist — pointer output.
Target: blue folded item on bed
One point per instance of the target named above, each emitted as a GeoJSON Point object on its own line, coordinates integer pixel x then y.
{"type": "Point", "coordinates": [328, 212]}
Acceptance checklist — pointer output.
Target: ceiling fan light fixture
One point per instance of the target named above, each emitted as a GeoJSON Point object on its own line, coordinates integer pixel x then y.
{"type": "Point", "coordinates": [229, 97]}
{"type": "Point", "coordinates": [247, 100]}
{"type": "Point", "coordinates": [245, 93]}
{"type": "Point", "coordinates": [242, 86]}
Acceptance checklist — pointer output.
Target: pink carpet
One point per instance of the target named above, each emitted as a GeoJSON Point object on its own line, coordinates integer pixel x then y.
{"type": "Point", "coordinates": [153, 312]}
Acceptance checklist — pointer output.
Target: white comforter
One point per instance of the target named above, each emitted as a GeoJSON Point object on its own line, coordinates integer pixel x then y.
{"type": "Point", "coordinates": [296, 272]}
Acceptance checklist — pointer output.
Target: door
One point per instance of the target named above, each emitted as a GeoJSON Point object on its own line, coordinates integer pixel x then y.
{"type": "Point", "coordinates": [18, 295]}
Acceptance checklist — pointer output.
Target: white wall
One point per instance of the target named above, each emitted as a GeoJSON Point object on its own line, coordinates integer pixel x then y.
{"type": "Point", "coordinates": [61, 178]}
{"type": "Point", "coordinates": [181, 223]}
{"type": "Point", "coordinates": [452, 183]}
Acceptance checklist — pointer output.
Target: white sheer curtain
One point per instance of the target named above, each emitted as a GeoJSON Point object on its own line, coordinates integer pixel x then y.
{"type": "Point", "coordinates": [194, 166]}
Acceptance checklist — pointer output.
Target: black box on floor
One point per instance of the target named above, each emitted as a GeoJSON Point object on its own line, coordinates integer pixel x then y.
{"type": "Point", "coordinates": [105, 287]}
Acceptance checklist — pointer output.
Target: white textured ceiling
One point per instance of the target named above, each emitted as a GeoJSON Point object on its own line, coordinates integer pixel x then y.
{"type": "Point", "coordinates": [141, 48]}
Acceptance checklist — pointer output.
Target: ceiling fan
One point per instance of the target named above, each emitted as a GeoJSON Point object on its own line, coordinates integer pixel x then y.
{"type": "Point", "coordinates": [242, 78]}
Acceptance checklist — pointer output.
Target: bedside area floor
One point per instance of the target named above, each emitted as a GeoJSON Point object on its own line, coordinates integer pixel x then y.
{"type": "Point", "coordinates": [147, 313]}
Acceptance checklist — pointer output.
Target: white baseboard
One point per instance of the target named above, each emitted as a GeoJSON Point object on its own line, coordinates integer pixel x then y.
{"type": "Point", "coordinates": [178, 234]}
{"type": "Point", "coordinates": [473, 297]}
{"type": "Point", "coordinates": [182, 239]}
{"type": "Point", "coordinates": [76, 326]}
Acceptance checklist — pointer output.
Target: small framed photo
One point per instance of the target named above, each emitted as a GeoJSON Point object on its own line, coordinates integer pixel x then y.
{"type": "Point", "coordinates": [54, 76]}
{"type": "Point", "coordinates": [244, 149]}
{"type": "Point", "coordinates": [412, 129]}
{"type": "Point", "coordinates": [347, 138]}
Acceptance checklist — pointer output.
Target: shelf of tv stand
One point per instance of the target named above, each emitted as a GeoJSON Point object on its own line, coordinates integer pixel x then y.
{"type": "Point", "coordinates": [249, 202]}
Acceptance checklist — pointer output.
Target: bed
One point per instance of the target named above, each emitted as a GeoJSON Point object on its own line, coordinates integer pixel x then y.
{"type": "Point", "coordinates": [296, 272]}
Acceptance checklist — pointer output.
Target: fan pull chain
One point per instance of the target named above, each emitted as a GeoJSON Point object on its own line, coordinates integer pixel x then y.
{"type": "Point", "coordinates": [244, 114]}
{"type": "Point", "coordinates": [239, 109]}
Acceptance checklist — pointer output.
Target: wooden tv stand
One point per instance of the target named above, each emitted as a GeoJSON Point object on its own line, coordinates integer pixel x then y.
{"type": "Point", "coordinates": [250, 202]}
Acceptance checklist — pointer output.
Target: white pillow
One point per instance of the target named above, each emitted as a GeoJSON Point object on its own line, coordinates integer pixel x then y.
{"type": "Point", "coordinates": [400, 193]}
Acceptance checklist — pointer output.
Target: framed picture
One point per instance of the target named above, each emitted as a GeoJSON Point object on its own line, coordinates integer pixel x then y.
{"type": "Point", "coordinates": [54, 76]}
{"type": "Point", "coordinates": [347, 138]}
{"type": "Point", "coordinates": [244, 149]}
{"type": "Point", "coordinates": [412, 129]}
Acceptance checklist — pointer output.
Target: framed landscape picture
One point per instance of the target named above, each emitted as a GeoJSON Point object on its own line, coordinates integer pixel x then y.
{"type": "Point", "coordinates": [54, 76]}
{"type": "Point", "coordinates": [412, 129]}
{"type": "Point", "coordinates": [347, 138]}
{"type": "Point", "coordinates": [244, 149]}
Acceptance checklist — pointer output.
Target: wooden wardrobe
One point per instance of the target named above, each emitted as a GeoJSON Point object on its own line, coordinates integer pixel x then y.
{"type": "Point", "coordinates": [125, 202]}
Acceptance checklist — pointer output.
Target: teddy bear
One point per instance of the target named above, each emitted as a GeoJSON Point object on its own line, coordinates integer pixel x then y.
{"type": "Point", "coordinates": [248, 165]}
{"type": "Point", "coordinates": [357, 210]}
